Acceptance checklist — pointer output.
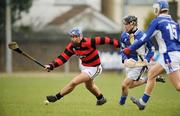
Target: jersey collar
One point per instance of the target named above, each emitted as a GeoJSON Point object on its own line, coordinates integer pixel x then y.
{"type": "Point", "coordinates": [136, 32]}
{"type": "Point", "coordinates": [164, 15]}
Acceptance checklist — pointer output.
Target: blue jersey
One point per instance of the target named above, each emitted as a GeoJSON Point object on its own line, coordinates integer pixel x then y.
{"type": "Point", "coordinates": [179, 31]}
{"type": "Point", "coordinates": [166, 31]}
{"type": "Point", "coordinates": [127, 39]}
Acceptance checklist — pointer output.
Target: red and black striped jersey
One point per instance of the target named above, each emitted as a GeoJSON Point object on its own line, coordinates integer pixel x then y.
{"type": "Point", "coordinates": [86, 50]}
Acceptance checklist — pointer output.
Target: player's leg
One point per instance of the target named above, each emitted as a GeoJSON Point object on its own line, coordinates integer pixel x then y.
{"type": "Point", "coordinates": [129, 84]}
{"type": "Point", "coordinates": [138, 83]}
{"type": "Point", "coordinates": [82, 77]}
{"type": "Point", "coordinates": [143, 80]}
{"type": "Point", "coordinates": [124, 90]}
{"type": "Point", "coordinates": [175, 79]}
{"type": "Point", "coordinates": [93, 73]}
{"type": "Point", "coordinates": [91, 86]}
{"type": "Point", "coordinates": [152, 73]}
{"type": "Point", "coordinates": [132, 74]}
{"type": "Point", "coordinates": [174, 73]}
{"type": "Point", "coordinates": [172, 69]}
{"type": "Point", "coordinates": [157, 69]}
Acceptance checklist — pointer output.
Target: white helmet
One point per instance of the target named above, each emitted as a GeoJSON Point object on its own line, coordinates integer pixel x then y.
{"type": "Point", "coordinates": [160, 6]}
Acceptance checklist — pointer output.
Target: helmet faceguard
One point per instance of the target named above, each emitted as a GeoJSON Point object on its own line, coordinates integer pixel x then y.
{"type": "Point", "coordinates": [160, 6]}
{"type": "Point", "coordinates": [130, 20]}
{"type": "Point", "coordinates": [75, 32]}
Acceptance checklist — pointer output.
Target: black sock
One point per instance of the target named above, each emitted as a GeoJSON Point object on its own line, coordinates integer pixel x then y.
{"type": "Point", "coordinates": [59, 96]}
{"type": "Point", "coordinates": [99, 97]}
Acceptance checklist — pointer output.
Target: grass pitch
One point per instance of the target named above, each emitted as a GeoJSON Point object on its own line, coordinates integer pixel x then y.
{"type": "Point", "coordinates": [22, 94]}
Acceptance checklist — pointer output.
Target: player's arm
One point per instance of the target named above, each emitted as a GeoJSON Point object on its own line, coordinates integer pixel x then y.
{"type": "Point", "coordinates": [146, 37]}
{"type": "Point", "coordinates": [61, 59]}
{"type": "Point", "coordinates": [105, 40]}
{"type": "Point", "coordinates": [124, 57]}
{"type": "Point", "coordinates": [178, 31]}
{"type": "Point", "coordinates": [150, 53]}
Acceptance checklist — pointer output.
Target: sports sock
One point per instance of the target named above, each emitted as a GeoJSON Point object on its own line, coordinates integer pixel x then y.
{"type": "Point", "coordinates": [122, 100]}
{"type": "Point", "coordinates": [59, 96]}
{"type": "Point", "coordinates": [99, 97]}
{"type": "Point", "coordinates": [144, 99]}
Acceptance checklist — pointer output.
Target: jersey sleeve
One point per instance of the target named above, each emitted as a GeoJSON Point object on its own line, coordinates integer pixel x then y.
{"type": "Point", "coordinates": [63, 57]}
{"type": "Point", "coordinates": [124, 57]}
{"type": "Point", "coordinates": [105, 40]}
{"type": "Point", "coordinates": [122, 40]}
{"type": "Point", "coordinates": [178, 31]}
{"type": "Point", "coordinates": [146, 36]}
{"type": "Point", "coordinates": [150, 53]}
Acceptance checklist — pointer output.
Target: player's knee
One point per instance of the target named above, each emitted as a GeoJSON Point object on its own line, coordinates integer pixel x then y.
{"type": "Point", "coordinates": [124, 86]}
{"type": "Point", "coordinates": [150, 75]}
{"type": "Point", "coordinates": [178, 88]}
{"type": "Point", "coordinates": [130, 87]}
{"type": "Point", "coordinates": [88, 86]}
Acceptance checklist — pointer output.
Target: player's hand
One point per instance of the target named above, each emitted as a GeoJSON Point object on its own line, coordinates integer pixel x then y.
{"type": "Point", "coordinates": [126, 51]}
{"type": "Point", "coordinates": [129, 63]}
{"type": "Point", "coordinates": [145, 61]}
{"type": "Point", "coordinates": [48, 68]}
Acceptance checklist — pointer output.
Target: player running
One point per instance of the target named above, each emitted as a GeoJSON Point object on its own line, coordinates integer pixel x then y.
{"type": "Point", "coordinates": [133, 76]}
{"type": "Point", "coordinates": [85, 49]}
{"type": "Point", "coordinates": [167, 33]}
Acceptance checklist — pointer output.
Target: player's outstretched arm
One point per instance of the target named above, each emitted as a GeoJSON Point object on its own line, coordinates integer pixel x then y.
{"type": "Point", "coordinates": [61, 59]}
{"type": "Point", "coordinates": [105, 40]}
{"type": "Point", "coordinates": [150, 53]}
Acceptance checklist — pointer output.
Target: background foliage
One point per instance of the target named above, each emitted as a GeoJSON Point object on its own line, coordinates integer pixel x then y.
{"type": "Point", "coordinates": [17, 6]}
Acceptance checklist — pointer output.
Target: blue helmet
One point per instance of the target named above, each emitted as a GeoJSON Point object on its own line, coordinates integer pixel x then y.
{"type": "Point", "coordinates": [75, 31]}
{"type": "Point", "coordinates": [161, 5]}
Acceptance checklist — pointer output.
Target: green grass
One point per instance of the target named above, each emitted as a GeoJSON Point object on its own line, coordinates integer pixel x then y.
{"type": "Point", "coordinates": [23, 95]}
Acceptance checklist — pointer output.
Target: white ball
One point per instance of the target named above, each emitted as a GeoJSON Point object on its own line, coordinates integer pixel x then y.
{"type": "Point", "coordinates": [46, 102]}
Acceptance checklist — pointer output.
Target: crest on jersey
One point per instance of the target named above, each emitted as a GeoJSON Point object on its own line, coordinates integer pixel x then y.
{"type": "Point", "coordinates": [131, 38]}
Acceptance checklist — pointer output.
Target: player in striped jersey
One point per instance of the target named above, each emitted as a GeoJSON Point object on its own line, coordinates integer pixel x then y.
{"type": "Point", "coordinates": [85, 49]}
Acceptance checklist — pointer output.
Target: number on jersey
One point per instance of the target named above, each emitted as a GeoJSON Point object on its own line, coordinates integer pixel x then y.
{"type": "Point", "coordinates": [173, 32]}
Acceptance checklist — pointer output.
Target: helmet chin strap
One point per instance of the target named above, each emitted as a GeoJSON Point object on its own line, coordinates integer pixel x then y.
{"type": "Point", "coordinates": [133, 30]}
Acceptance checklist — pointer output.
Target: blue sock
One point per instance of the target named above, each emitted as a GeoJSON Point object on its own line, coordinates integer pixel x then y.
{"type": "Point", "coordinates": [145, 98]}
{"type": "Point", "coordinates": [122, 100]}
